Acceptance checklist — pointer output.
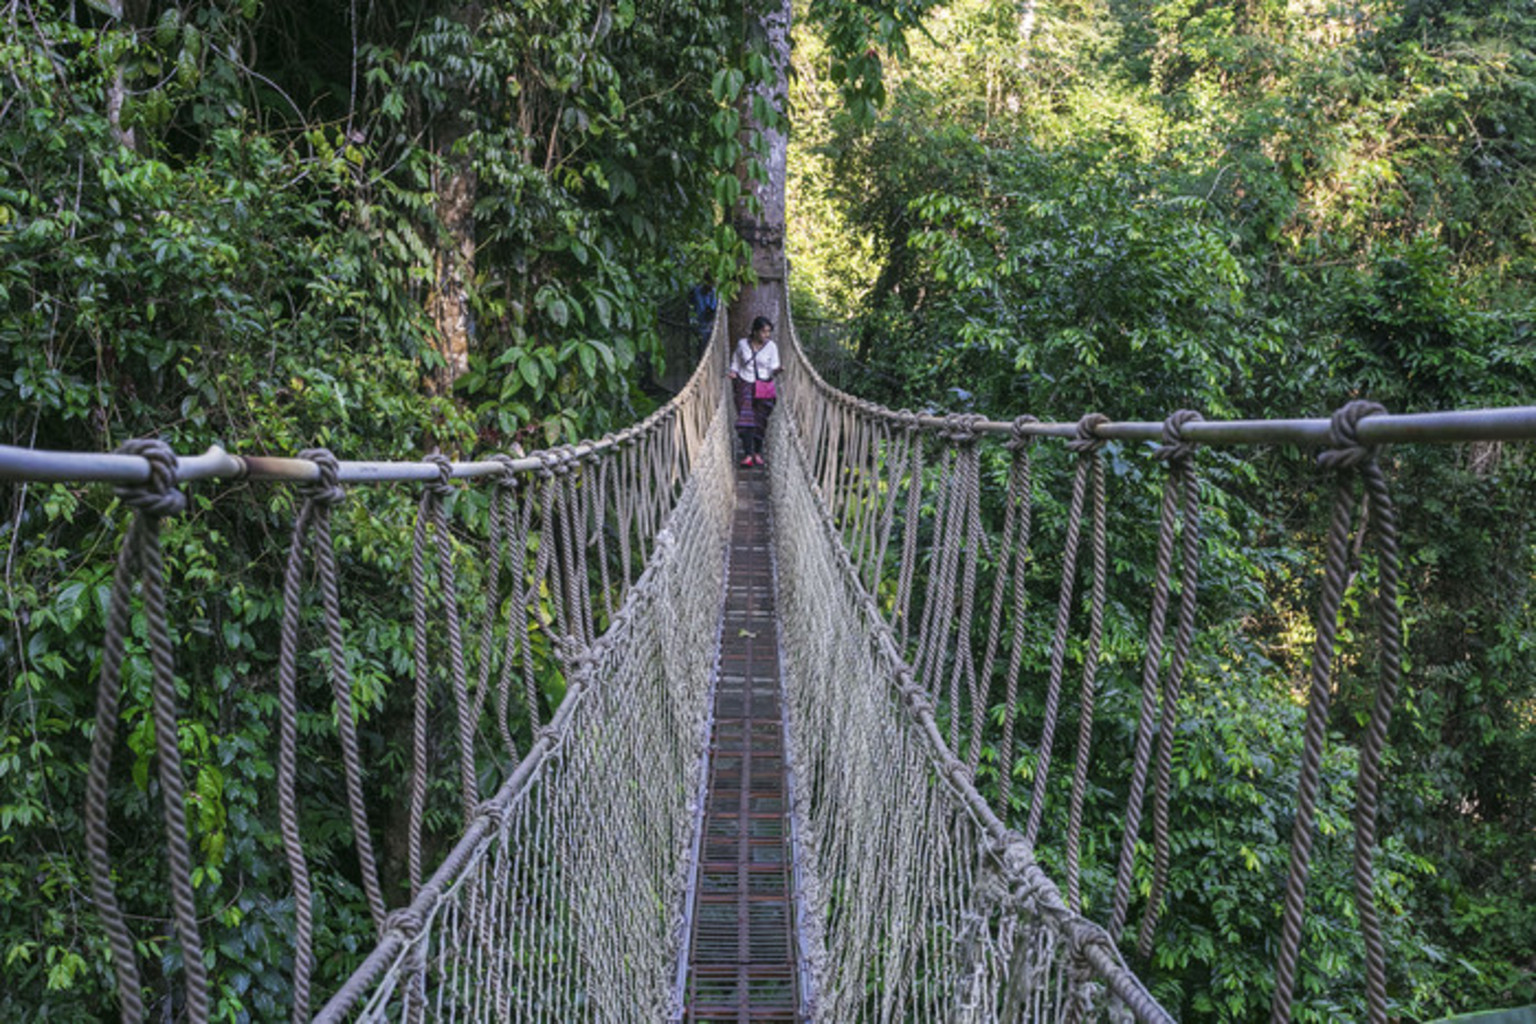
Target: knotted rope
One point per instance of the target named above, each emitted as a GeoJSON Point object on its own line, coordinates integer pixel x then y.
{"type": "Point", "coordinates": [430, 515]}
{"type": "Point", "coordinates": [1089, 470]}
{"type": "Point", "coordinates": [506, 518]}
{"type": "Point", "coordinates": [1087, 446]}
{"type": "Point", "coordinates": [910, 523]}
{"type": "Point", "coordinates": [156, 499]}
{"type": "Point", "coordinates": [1347, 457]}
{"type": "Point", "coordinates": [1179, 456]}
{"type": "Point", "coordinates": [1018, 515]}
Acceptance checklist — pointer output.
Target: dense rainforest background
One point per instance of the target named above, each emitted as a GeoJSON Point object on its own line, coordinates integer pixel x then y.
{"type": "Point", "coordinates": [387, 227]}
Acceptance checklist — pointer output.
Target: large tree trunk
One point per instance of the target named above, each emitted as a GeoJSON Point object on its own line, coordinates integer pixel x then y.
{"type": "Point", "coordinates": [454, 269]}
{"type": "Point", "coordinates": [764, 231]}
{"type": "Point", "coordinates": [455, 184]}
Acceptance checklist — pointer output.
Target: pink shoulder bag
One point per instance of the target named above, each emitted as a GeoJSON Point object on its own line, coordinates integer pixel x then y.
{"type": "Point", "coordinates": [762, 390]}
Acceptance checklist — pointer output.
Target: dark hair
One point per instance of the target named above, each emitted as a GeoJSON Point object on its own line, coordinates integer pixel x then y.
{"type": "Point", "coordinates": [761, 322]}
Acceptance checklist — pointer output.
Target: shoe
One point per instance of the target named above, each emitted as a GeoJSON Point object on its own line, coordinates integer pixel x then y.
{"type": "Point", "coordinates": [747, 462]}
{"type": "Point", "coordinates": [758, 460]}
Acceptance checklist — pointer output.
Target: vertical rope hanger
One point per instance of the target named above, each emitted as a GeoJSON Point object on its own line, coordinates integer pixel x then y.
{"type": "Point", "coordinates": [910, 523]}
{"type": "Point", "coordinates": [1175, 450]}
{"type": "Point", "coordinates": [287, 802]}
{"type": "Point", "coordinates": [509, 553]}
{"type": "Point", "coordinates": [572, 556]}
{"type": "Point", "coordinates": [1180, 481]}
{"type": "Point", "coordinates": [599, 527]}
{"type": "Point", "coordinates": [315, 515]}
{"type": "Point", "coordinates": [897, 449]}
{"type": "Point", "coordinates": [430, 512]}
{"type": "Point", "coordinates": [1090, 671]}
{"type": "Point", "coordinates": [1018, 515]}
{"type": "Point", "coordinates": [1087, 447]}
{"type": "Point", "coordinates": [939, 591]}
{"type": "Point", "coordinates": [517, 646]}
{"type": "Point", "coordinates": [326, 495]}
{"type": "Point", "coordinates": [968, 462]}
{"type": "Point", "coordinates": [152, 501]}
{"type": "Point", "coordinates": [1346, 454]}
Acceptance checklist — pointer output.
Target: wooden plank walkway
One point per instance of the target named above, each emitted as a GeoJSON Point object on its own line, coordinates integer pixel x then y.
{"type": "Point", "coordinates": [743, 959]}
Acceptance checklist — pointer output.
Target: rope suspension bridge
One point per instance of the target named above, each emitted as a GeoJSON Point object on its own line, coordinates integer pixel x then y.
{"type": "Point", "coordinates": [758, 798]}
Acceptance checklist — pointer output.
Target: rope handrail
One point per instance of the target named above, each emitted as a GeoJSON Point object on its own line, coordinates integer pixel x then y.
{"type": "Point", "coordinates": [1512, 423]}
{"type": "Point", "coordinates": [45, 466]}
{"type": "Point", "coordinates": [1507, 423]}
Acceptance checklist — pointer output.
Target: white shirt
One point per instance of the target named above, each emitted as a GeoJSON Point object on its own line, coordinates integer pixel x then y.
{"type": "Point", "coordinates": [761, 365]}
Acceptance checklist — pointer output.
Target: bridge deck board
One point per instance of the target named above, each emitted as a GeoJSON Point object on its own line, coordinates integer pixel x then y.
{"type": "Point", "coordinates": [743, 960]}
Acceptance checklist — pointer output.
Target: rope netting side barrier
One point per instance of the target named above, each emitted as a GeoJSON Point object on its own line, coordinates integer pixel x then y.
{"type": "Point", "coordinates": [923, 905]}
{"type": "Point", "coordinates": [562, 900]}
{"type": "Point", "coordinates": [910, 570]}
{"type": "Point", "coordinates": [602, 565]}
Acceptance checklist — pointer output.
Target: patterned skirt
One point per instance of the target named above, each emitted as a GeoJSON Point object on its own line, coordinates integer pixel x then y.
{"type": "Point", "coordinates": [751, 413]}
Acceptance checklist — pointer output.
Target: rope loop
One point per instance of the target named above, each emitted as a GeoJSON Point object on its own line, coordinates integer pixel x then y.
{"type": "Point", "coordinates": [327, 490]}
{"type": "Point", "coordinates": [1019, 438]}
{"type": "Point", "coordinates": [1082, 935]}
{"type": "Point", "coordinates": [549, 462]}
{"type": "Point", "coordinates": [157, 497]}
{"type": "Point", "coordinates": [908, 420]}
{"type": "Point", "coordinates": [554, 739]}
{"type": "Point", "coordinates": [1175, 449]}
{"type": "Point", "coordinates": [1346, 451]}
{"type": "Point", "coordinates": [509, 477]}
{"type": "Point", "coordinates": [960, 427]}
{"type": "Point", "coordinates": [493, 811]}
{"type": "Point", "coordinates": [406, 921]}
{"type": "Point", "coordinates": [565, 460]}
{"type": "Point", "coordinates": [442, 486]}
{"type": "Point", "coordinates": [1088, 440]}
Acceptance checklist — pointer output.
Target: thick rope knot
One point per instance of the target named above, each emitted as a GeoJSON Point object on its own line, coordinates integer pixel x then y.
{"type": "Point", "coordinates": [960, 427]}
{"type": "Point", "coordinates": [553, 739]}
{"type": "Point", "coordinates": [1175, 449]}
{"type": "Point", "coordinates": [578, 655]}
{"type": "Point", "coordinates": [493, 811]}
{"type": "Point", "coordinates": [407, 921]}
{"type": "Point", "coordinates": [1345, 449]}
{"type": "Point", "coordinates": [157, 496]}
{"type": "Point", "coordinates": [442, 486]}
{"type": "Point", "coordinates": [509, 477]}
{"type": "Point", "coordinates": [909, 420]}
{"type": "Point", "coordinates": [566, 460]}
{"type": "Point", "coordinates": [327, 490]}
{"type": "Point", "coordinates": [1013, 856]}
{"type": "Point", "coordinates": [1083, 935]}
{"type": "Point", "coordinates": [1019, 436]}
{"type": "Point", "coordinates": [549, 461]}
{"type": "Point", "coordinates": [1088, 439]}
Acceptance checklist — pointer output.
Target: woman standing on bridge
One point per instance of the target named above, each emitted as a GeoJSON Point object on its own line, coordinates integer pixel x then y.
{"type": "Point", "coordinates": [754, 367]}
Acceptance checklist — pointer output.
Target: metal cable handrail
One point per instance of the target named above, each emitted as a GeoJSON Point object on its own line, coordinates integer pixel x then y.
{"type": "Point", "coordinates": [1513, 423]}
